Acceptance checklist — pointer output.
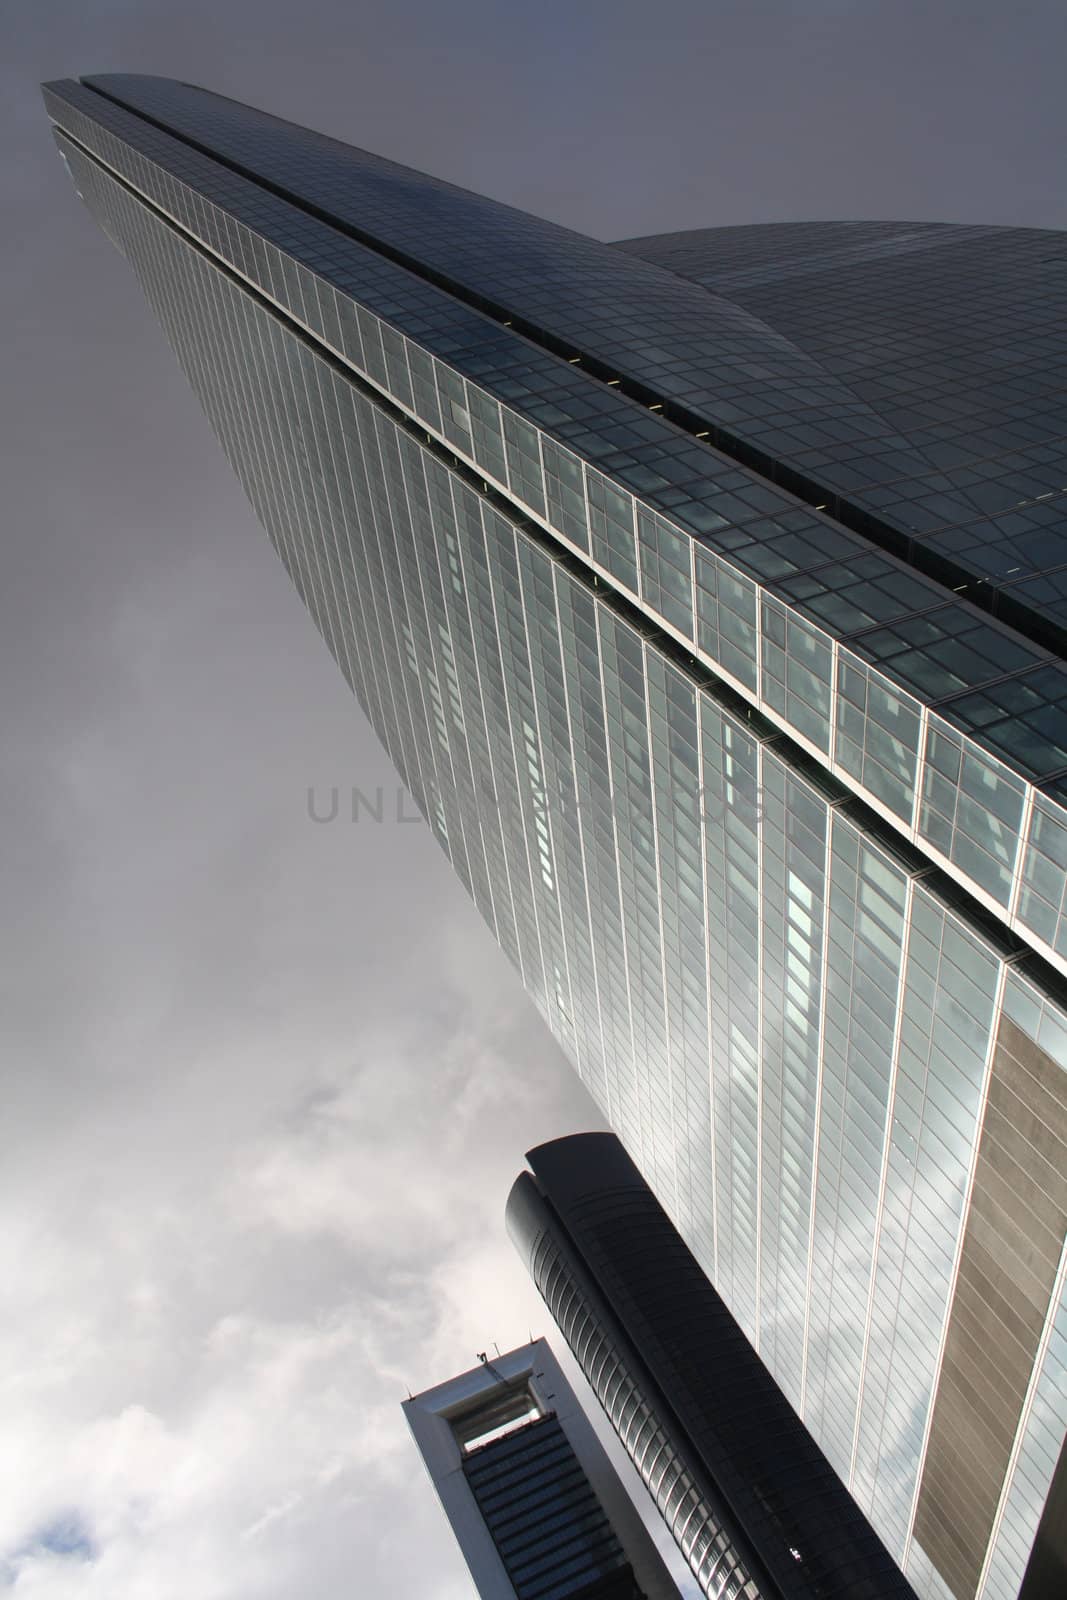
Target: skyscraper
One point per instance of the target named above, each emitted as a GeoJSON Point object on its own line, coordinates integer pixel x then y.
{"type": "Point", "coordinates": [536, 1506]}
{"type": "Point", "coordinates": [707, 593]}
{"type": "Point", "coordinates": [739, 1481]}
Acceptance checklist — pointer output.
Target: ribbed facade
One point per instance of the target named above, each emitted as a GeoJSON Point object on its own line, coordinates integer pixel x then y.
{"type": "Point", "coordinates": [550, 1530]}
{"type": "Point", "coordinates": [769, 818]}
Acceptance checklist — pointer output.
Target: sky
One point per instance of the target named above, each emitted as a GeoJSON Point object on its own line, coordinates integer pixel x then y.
{"type": "Point", "coordinates": [266, 1079]}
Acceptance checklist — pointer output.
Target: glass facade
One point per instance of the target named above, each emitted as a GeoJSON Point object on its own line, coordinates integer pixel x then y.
{"type": "Point", "coordinates": [770, 821]}
{"type": "Point", "coordinates": [949, 343]}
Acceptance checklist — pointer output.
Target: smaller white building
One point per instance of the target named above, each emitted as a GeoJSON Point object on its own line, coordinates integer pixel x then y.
{"type": "Point", "coordinates": [534, 1502]}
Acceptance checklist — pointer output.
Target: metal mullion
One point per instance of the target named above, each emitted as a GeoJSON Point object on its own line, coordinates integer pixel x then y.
{"type": "Point", "coordinates": [909, 894]}
{"type": "Point", "coordinates": [466, 623]}
{"type": "Point", "coordinates": [548, 815]}
{"type": "Point", "coordinates": [402, 734]}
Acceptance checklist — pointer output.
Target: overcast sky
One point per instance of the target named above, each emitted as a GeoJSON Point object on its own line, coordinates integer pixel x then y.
{"type": "Point", "coordinates": [267, 1081]}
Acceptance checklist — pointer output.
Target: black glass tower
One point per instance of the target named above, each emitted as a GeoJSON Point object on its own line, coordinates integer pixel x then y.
{"type": "Point", "coordinates": [708, 593]}
{"type": "Point", "coordinates": [752, 1501]}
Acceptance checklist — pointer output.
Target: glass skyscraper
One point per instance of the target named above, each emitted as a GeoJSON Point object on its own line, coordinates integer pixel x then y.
{"type": "Point", "coordinates": [710, 595]}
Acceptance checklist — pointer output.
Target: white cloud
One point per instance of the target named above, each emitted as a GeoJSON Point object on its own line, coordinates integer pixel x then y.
{"type": "Point", "coordinates": [208, 1374]}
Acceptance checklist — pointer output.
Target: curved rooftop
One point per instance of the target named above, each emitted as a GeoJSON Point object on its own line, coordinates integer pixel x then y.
{"type": "Point", "coordinates": [955, 337]}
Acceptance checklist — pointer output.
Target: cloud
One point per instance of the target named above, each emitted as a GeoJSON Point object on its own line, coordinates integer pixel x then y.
{"type": "Point", "coordinates": [204, 1354]}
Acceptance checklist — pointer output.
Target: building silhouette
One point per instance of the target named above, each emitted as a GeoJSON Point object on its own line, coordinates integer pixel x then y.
{"type": "Point", "coordinates": [708, 593]}
{"type": "Point", "coordinates": [536, 1506]}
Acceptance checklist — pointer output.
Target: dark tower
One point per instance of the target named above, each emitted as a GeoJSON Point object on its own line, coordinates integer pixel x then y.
{"type": "Point", "coordinates": [743, 1487]}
